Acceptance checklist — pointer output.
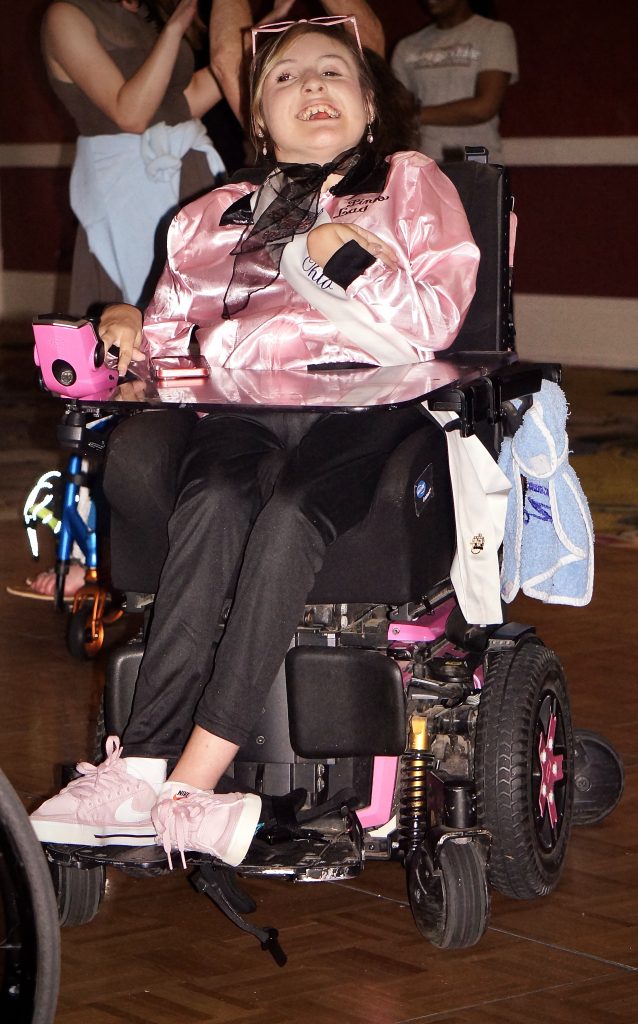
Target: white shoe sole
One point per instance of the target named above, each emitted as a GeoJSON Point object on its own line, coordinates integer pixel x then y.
{"type": "Point", "coordinates": [244, 831]}
{"type": "Point", "coordinates": [70, 834]}
{"type": "Point", "coordinates": [242, 837]}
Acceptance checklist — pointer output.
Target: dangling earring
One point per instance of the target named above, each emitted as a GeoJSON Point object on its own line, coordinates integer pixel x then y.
{"type": "Point", "coordinates": [264, 148]}
{"type": "Point", "coordinates": [369, 136]}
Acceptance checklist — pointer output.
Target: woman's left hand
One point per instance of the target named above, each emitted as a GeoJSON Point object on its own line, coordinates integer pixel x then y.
{"type": "Point", "coordinates": [183, 15]}
{"type": "Point", "coordinates": [326, 239]}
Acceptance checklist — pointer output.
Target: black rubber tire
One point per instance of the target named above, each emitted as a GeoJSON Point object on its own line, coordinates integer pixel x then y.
{"type": "Point", "coordinates": [522, 691]}
{"type": "Point", "coordinates": [79, 892]}
{"type": "Point", "coordinates": [450, 906]}
{"type": "Point", "coordinates": [599, 777]}
{"type": "Point", "coordinates": [78, 638]}
{"type": "Point", "coordinates": [76, 634]}
{"type": "Point", "coordinates": [30, 965]}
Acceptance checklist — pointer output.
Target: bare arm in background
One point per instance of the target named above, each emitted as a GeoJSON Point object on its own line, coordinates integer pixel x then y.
{"type": "Point", "coordinates": [370, 28]}
{"type": "Point", "coordinates": [73, 53]}
{"type": "Point", "coordinates": [228, 36]}
{"type": "Point", "coordinates": [229, 39]}
{"type": "Point", "coordinates": [486, 102]}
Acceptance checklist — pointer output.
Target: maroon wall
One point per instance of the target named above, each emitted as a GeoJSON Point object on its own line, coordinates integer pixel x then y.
{"type": "Point", "coordinates": [577, 230]}
{"type": "Point", "coordinates": [578, 68]}
{"type": "Point", "coordinates": [29, 112]}
{"type": "Point", "coordinates": [577, 60]}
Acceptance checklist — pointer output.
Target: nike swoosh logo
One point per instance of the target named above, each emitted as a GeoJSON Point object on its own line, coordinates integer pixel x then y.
{"type": "Point", "coordinates": [126, 813]}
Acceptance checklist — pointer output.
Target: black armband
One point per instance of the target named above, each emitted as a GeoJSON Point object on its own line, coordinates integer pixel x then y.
{"type": "Point", "coordinates": [348, 263]}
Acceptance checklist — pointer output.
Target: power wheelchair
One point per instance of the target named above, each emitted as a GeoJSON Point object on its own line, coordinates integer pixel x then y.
{"type": "Point", "coordinates": [396, 729]}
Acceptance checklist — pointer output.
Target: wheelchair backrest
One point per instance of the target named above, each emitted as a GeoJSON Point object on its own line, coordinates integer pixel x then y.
{"type": "Point", "coordinates": [485, 194]}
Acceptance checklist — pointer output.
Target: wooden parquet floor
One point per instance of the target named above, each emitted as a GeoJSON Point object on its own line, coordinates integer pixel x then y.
{"type": "Point", "coordinates": [158, 953]}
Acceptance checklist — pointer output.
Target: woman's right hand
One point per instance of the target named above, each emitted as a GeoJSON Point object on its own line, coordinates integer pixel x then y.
{"type": "Point", "coordinates": [325, 239]}
{"type": "Point", "coordinates": [121, 325]}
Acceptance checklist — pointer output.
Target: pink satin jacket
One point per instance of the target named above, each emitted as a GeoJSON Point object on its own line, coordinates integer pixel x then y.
{"type": "Point", "coordinates": [423, 302]}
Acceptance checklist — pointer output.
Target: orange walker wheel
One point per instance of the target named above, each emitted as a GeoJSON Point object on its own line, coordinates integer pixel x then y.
{"type": "Point", "coordinates": [90, 613]}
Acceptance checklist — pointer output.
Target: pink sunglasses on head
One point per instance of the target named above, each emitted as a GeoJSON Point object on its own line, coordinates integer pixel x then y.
{"type": "Point", "coordinates": [283, 26]}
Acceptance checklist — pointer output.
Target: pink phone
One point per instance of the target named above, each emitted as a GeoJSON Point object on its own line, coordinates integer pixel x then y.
{"type": "Point", "coordinates": [172, 367]}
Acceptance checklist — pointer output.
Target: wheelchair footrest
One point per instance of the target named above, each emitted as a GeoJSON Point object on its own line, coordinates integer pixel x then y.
{"type": "Point", "coordinates": [141, 858]}
{"type": "Point", "coordinates": [333, 850]}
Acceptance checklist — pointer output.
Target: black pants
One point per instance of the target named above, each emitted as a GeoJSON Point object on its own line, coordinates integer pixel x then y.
{"type": "Point", "coordinates": [258, 500]}
{"type": "Point", "coordinates": [141, 477]}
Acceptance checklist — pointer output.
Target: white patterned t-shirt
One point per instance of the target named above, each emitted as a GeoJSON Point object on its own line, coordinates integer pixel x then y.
{"type": "Point", "coordinates": [442, 65]}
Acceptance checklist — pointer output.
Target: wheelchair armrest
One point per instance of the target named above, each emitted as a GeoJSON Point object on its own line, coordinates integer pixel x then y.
{"type": "Point", "coordinates": [469, 637]}
{"type": "Point", "coordinates": [483, 400]}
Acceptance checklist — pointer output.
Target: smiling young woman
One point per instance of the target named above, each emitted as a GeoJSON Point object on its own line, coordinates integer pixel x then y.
{"type": "Point", "coordinates": [340, 252]}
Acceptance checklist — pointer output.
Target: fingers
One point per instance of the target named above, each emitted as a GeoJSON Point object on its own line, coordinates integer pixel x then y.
{"type": "Point", "coordinates": [371, 243]}
{"type": "Point", "coordinates": [281, 7]}
{"type": "Point", "coordinates": [131, 391]}
{"type": "Point", "coordinates": [183, 14]}
{"type": "Point", "coordinates": [125, 341]}
{"type": "Point", "coordinates": [279, 11]}
{"type": "Point", "coordinates": [326, 239]}
{"type": "Point", "coordinates": [121, 326]}
{"type": "Point", "coordinates": [376, 247]}
{"type": "Point", "coordinates": [125, 357]}
{"type": "Point", "coordinates": [383, 252]}
{"type": "Point", "coordinates": [186, 6]}
{"type": "Point", "coordinates": [128, 354]}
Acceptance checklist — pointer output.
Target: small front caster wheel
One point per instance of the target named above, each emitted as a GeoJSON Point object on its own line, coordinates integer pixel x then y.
{"type": "Point", "coordinates": [79, 892]}
{"type": "Point", "coordinates": [451, 904]}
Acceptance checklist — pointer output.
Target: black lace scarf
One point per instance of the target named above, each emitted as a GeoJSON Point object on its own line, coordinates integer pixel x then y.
{"type": "Point", "coordinates": [288, 204]}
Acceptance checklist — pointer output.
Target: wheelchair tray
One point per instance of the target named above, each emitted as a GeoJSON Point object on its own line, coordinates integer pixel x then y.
{"type": "Point", "coordinates": [333, 850]}
{"type": "Point", "coordinates": [336, 387]}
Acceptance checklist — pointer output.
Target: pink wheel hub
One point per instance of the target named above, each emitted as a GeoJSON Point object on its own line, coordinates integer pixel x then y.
{"type": "Point", "coordinates": [551, 772]}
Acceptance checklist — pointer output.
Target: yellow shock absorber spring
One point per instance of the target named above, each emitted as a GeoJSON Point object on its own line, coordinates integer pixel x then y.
{"type": "Point", "coordinates": [413, 813]}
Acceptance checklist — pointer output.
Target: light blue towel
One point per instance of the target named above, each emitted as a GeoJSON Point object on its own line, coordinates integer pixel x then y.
{"type": "Point", "coordinates": [548, 546]}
